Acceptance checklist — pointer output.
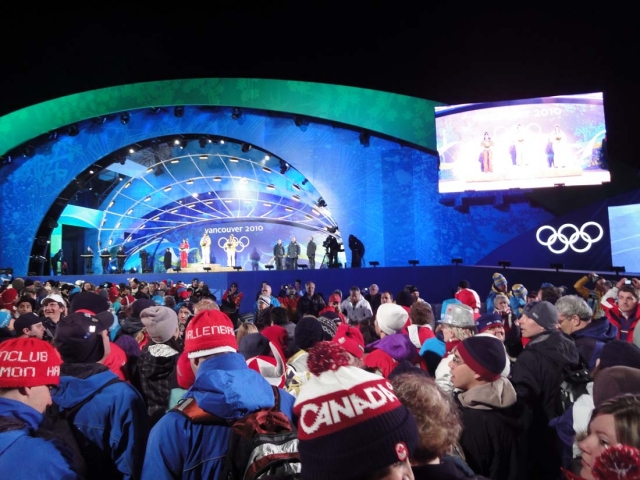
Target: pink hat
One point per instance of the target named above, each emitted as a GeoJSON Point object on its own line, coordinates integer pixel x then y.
{"type": "Point", "coordinates": [209, 332]}
{"type": "Point", "coordinates": [470, 298]}
{"type": "Point", "coordinates": [271, 368]}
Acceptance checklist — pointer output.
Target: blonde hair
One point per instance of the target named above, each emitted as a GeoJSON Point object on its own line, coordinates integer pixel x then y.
{"type": "Point", "coordinates": [245, 329]}
{"type": "Point", "coordinates": [205, 304]}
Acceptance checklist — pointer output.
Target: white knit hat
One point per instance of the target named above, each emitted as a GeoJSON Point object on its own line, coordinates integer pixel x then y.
{"type": "Point", "coordinates": [391, 318]}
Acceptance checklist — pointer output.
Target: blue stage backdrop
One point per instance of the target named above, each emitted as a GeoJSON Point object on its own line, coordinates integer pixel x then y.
{"type": "Point", "coordinates": [382, 191]}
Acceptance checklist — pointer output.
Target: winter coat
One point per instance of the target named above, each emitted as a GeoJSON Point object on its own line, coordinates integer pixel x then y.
{"type": "Point", "coordinates": [224, 387]}
{"type": "Point", "coordinates": [492, 427]}
{"type": "Point", "coordinates": [22, 453]}
{"type": "Point", "coordinates": [449, 468]}
{"type": "Point", "coordinates": [113, 422]}
{"type": "Point", "coordinates": [155, 374]}
{"type": "Point", "coordinates": [387, 352]}
{"type": "Point", "coordinates": [536, 376]}
{"type": "Point", "coordinates": [590, 339]}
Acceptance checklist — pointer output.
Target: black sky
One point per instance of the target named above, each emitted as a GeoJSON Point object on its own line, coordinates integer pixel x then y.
{"type": "Point", "coordinates": [445, 53]}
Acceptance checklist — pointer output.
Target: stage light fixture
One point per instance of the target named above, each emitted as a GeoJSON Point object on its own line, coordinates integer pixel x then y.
{"type": "Point", "coordinates": [206, 269]}
{"type": "Point", "coordinates": [302, 265]}
{"type": "Point", "coordinates": [233, 159]}
{"type": "Point", "coordinates": [112, 203]}
{"type": "Point", "coordinates": [456, 261]}
{"type": "Point", "coordinates": [178, 111]}
{"type": "Point", "coordinates": [190, 181]}
{"type": "Point", "coordinates": [308, 216]}
{"type": "Point", "coordinates": [266, 169]}
{"type": "Point", "coordinates": [147, 199]}
{"type": "Point", "coordinates": [28, 151]}
{"type": "Point", "coordinates": [269, 267]}
{"type": "Point", "coordinates": [414, 262]}
{"type": "Point", "coordinates": [246, 147]}
{"type": "Point", "coordinates": [202, 141]}
{"type": "Point", "coordinates": [130, 211]}
{"type": "Point", "coordinates": [557, 266]}
{"type": "Point", "coordinates": [155, 110]}
{"type": "Point", "coordinates": [203, 157]}
{"type": "Point", "coordinates": [374, 263]}
{"type": "Point", "coordinates": [236, 113]}
{"type": "Point", "coordinates": [271, 186]}
{"type": "Point", "coordinates": [167, 189]}
{"type": "Point", "coordinates": [217, 179]}
{"type": "Point", "coordinates": [157, 217]}
{"type": "Point", "coordinates": [618, 270]}
{"type": "Point", "coordinates": [296, 186]}
{"type": "Point", "coordinates": [73, 130]}
{"type": "Point", "coordinates": [296, 198]}
{"type": "Point", "coordinates": [175, 160]}
{"type": "Point", "coordinates": [124, 118]}
{"type": "Point", "coordinates": [321, 203]}
{"type": "Point", "coordinates": [284, 166]}
{"type": "Point", "coordinates": [120, 178]}
{"type": "Point", "coordinates": [333, 229]}
{"type": "Point", "coordinates": [305, 181]}
{"type": "Point", "coordinates": [364, 139]}
{"type": "Point", "coordinates": [504, 263]}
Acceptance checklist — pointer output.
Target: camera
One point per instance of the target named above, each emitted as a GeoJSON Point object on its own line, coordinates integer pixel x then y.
{"type": "Point", "coordinates": [627, 282]}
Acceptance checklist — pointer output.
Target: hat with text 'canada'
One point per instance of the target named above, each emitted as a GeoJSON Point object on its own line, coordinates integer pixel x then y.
{"type": "Point", "coordinates": [208, 333]}
{"type": "Point", "coordinates": [351, 423]}
{"type": "Point", "coordinates": [28, 362]}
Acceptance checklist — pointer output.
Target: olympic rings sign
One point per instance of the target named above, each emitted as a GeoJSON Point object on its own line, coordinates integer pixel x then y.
{"type": "Point", "coordinates": [559, 236]}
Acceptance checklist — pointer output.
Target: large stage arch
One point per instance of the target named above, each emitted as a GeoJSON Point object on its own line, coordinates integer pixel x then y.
{"type": "Point", "coordinates": [367, 154]}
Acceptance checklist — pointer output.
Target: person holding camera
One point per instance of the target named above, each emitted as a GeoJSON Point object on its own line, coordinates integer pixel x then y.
{"type": "Point", "coordinates": [593, 296]}
{"type": "Point", "coordinates": [626, 313]}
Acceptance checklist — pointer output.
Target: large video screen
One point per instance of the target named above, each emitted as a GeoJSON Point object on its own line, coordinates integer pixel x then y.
{"type": "Point", "coordinates": [625, 236]}
{"type": "Point", "coordinates": [532, 143]}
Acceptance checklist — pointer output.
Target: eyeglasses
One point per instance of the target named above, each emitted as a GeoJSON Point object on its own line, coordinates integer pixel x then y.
{"type": "Point", "coordinates": [457, 360]}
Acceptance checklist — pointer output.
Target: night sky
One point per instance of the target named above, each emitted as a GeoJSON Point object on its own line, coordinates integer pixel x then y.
{"type": "Point", "coordinates": [447, 54]}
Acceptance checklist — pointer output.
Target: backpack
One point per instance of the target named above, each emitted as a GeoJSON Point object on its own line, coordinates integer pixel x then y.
{"type": "Point", "coordinates": [58, 425]}
{"type": "Point", "coordinates": [574, 383]}
{"type": "Point", "coordinates": [262, 443]}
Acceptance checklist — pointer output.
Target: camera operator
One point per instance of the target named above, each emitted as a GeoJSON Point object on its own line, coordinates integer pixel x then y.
{"type": "Point", "coordinates": [332, 248]}
{"type": "Point", "coordinates": [357, 251]}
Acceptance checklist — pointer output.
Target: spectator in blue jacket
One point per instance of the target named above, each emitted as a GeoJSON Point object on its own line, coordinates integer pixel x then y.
{"type": "Point", "coordinates": [30, 368]}
{"type": "Point", "coordinates": [224, 387]}
{"type": "Point", "coordinates": [113, 420]}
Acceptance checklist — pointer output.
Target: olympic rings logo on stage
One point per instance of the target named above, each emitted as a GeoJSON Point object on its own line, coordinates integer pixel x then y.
{"type": "Point", "coordinates": [569, 242]}
{"type": "Point", "coordinates": [234, 244]}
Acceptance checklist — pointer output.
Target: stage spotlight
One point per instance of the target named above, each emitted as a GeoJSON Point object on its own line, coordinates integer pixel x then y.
{"type": "Point", "coordinates": [557, 266]}
{"type": "Point", "coordinates": [178, 111]}
{"type": "Point", "coordinates": [284, 166]}
{"type": "Point", "coordinates": [321, 202]}
{"type": "Point", "coordinates": [374, 264]}
{"type": "Point", "coordinates": [237, 268]}
{"type": "Point", "coordinates": [246, 147]}
{"type": "Point", "coordinates": [73, 130]}
{"type": "Point", "coordinates": [28, 151]}
{"type": "Point", "coordinates": [305, 181]}
{"type": "Point", "coordinates": [236, 113]}
{"type": "Point", "coordinates": [364, 139]}
{"type": "Point", "coordinates": [203, 140]}
{"type": "Point", "coordinates": [456, 261]}
{"type": "Point", "coordinates": [414, 262]}
{"type": "Point", "coordinates": [124, 118]}
{"type": "Point", "coordinates": [504, 263]}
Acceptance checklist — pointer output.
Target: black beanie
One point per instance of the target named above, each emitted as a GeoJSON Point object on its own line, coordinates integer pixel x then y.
{"type": "Point", "coordinates": [139, 305]}
{"type": "Point", "coordinates": [89, 301]}
{"type": "Point", "coordinates": [308, 332]}
{"type": "Point", "coordinates": [75, 342]}
{"type": "Point", "coordinates": [253, 345]}
{"type": "Point", "coordinates": [619, 353]}
{"type": "Point", "coordinates": [484, 355]}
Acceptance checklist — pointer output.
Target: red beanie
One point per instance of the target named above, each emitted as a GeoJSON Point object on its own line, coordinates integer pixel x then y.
{"type": "Point", "coordinates": [351, 339]}
{"type": "Point", "coordinates": [209, 332]}
{"type": "Point", "coordinates": [28, 362]}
